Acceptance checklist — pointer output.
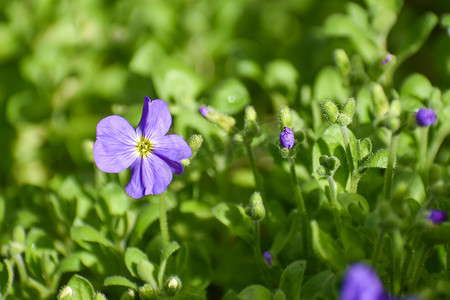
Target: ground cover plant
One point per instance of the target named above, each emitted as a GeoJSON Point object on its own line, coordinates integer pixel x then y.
{"type": "Point", "coordinates": [240, 149]}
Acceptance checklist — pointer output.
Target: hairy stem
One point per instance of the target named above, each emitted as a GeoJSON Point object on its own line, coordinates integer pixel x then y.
{"type": "Point", "coordinates": [389, 175]}
{"type": "Point", "coordinates": [258, 255]}
{"type": "Point", "coordinates": [378, 249]}
{"type": "Point", "coordinates": [256, 175]}
{"type": "Point", "coordinates": [348, 153]}
{"type": "Point", "coordinates": [335, 206]}
{"type": "Point", "coordinates": [301, 208]}
{"type": "Point", "coordinates": [163, 219]}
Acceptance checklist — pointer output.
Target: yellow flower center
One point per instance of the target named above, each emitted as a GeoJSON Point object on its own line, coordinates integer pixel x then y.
{"type": "Point", "coordinates": [144, 146]}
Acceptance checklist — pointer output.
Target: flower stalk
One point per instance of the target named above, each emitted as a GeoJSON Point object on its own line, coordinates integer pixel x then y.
{"type": "Point", "coordinates": [163, 219]}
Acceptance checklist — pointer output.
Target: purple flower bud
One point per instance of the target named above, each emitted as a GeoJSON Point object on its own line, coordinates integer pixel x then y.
{"type": "Point", "coordinates": [362, 283]}
{"type": "Point", "coordinates": [204, 111]}
{"type": "Point", "coordinates": [437, 216]}
{"type": "Point", "coordinates": [268, 258]}
{"type": "Point", "coordinates": [387, 59]}
{"type": "Point", "coordinates": [287, 138]}
{"type": "Point", "coordinates": [426, 117]}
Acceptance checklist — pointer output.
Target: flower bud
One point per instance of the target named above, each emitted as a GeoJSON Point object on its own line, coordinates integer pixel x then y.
{"type": "Point", "coordinates": [328, 165]}
{"type": "Point", "coordinates": [99, 296]}
{"type": "Point", "coordinates": [285, 117]}
{"type": "Point", "coordinates": [173, 286]}
{"type": "Point", "coordinates": [380, 101]}
{"type": "Point", "coordinates": [387, 59]}
{"type": "Point", "coordinates": [426, 117]}
{"type": "Point", "coordinates": [287, 138]}
{"type": "Point", "coordinates": [66, 293]}
{"type": "Point", "coordinates": [437, 216]}
{"type": "Point", "coordinates": [147, 292]}
{"type": "Point", "coordinates": [223, 121]}
{"type": "Point", "coordinates": [256, 209]}
{"type": "Point", "coordinates": [342, 62]}
{"type": "Point", "coordinates": [88, 150]}
{"type": "Point", "coordinates": [330, 110]}
{"type": "Point", "coordinates": [195, 142]}
{"type": "Point", "coordinates": [129, 295]}
{"type": "Point", "coordinates": [347, 112]}
{"type": "Point", "coordinates": [251, 127]}
{"type": "Point", "coordinates": [279, 295]}
{"type": "Point", "coordinates": [268, 258]}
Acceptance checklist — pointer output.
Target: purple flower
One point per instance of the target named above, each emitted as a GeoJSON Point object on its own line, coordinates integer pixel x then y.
{"type": "Point", "coordinates": [426, 117]}
{"type": "Point", "coordinates": [287, 138]}
{"type": "Point", "coordinates": [437, 216]}
{"type": "Point", "coordinates": [268, 258]}
{"type": "Point", "coordinates": [362, 283]}
{"type": "Point", "coordinates": [151, 154]}
{"type": "Point", "coordinates": [387, 59]}
{"type": "Point", "coordinates": [204, 111]}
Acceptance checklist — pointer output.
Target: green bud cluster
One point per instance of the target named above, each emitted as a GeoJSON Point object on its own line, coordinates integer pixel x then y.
{"type": "Point", "coordinates": [256, 209]}
{"type": "Point", "coordinates": [328, 165]}
{"type": "Point", "coordinates": [222, 120]}
{"type": "Point", "coordinates": [342, 117]}
{"type": "Point", "coordinates": [129, 295]}
{"type": "Point", "coordinates": [148, 292]}
{"type": "Point", "coordinates": [173, 286]}
{"type": "Point", "coordinates": [251, 128]}
{"type": "Point", "coordinates": [279, 295]}
{"type": "Point", "coordinates": [285, 117]}
{"type": "Point", "coordinates": [195, 142]}
{"type": "Point", "coordinates": [66, 293]}
{"type": "Point", "coordinates": [342, 62]}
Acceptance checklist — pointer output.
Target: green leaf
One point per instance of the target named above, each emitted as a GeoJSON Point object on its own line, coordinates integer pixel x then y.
{"type": "Point", "coordinates": [284, 235]}
{"type": "Point", "coordinates": [145, 271]}
{"type": "Point", "coordinates": [120, 281]}
{"type": "Point", "coordinates": [82, 289]}
{"type": "Point", "coordinates": [416, 85]}
{"type": "Point", "coordinates": [100, 296]}
{"type": "Point", "coordinates": [376, 160]}
{"type": "Point", "coordinates": [320, 285]}
{"type": "Point", "coordinates": [355, 205]}
{"type": "Point", "coordinates": [168, 250]}
{"type": "Point", "coordinates": [231, 97]}
{"type": "Point", "coordinates": [84, 233]}
{"type": "Point", "coordinates": [326, 248]}
{"type": "Point", "coordinates": [416, 35]}
{"type": "Point", "coordinates": [115, 198]}
{"type": "Point", "coordinates": [328, 85]}
{"type": "Point", "coordinates": [235, 219]}
{"type": "Point", "coordinates": [132, 257]}
{"type": "Point", "coordinates": [146, 218]}
{"type": "Point", "coordinates": [292, 278]}
{"type": "Point", "coordinates": [6, 277]}
{"type": "Point", "coordinates": [255, 292]}
{"type": "Point", "coordinates": [352, 242]}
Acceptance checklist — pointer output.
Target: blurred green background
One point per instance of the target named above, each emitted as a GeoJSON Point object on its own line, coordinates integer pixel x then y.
{"type": "Point", "coordinates": [64, 65]}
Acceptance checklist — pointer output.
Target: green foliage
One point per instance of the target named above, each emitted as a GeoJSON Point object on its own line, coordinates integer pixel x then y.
{"type": "Point", "coordinates": [70, 231]}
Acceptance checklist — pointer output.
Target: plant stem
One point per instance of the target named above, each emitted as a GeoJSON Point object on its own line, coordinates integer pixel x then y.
{"type": "Point", "coordinates": [397, 246]}
{"type": "Point", "coordinates": [163, 219]}
{"type": "Point", "coordinates": [378, 249]}
{"type": "Point", "coordinates": [348, 153]}
{"type": "Point", "coordinates": [436, 143]}
{"type": "Point", "coordinates": [301, 208]}
{"type": "Point", "coordinates": [258, 255]}
{"type": "Point", "coordinates": [335, 206]}
{"type": "Point", "coordinates": [389, 175]}
{"type": "Point", "coordinates": [256, 175]}
{"type": "Point", "coordinates": [422, 159]}
{"type": "Point", "coordinates": [420, 257]}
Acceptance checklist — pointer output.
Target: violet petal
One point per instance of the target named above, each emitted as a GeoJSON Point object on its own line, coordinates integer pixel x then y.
{"type": "Point", "coordinates": [172, 149]}
{"type": "Point", "coordinates": [362, 283]}
{"type": "Point", "coordinates": [155, 120]}
{"type": "Point", "coordinates": [287, 138]}
{"type": "Point", "coordinates": [426, 117]}
{"type": "Point", "coordinates": [149, 176]}
{"type": "Point", "coordinates": [115, 147]}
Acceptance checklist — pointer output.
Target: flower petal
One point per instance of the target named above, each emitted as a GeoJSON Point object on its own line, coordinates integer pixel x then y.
{"type": "Point", "coordinates": [155, 119]}
{"type": "Point", "coordinates": [149, 176]}
{"type": "Point", "coordinates": [115, 147]}
{"type": "Point", "coordinates": [172, 149]}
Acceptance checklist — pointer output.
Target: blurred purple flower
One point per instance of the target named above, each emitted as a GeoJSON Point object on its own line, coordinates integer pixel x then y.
{"type": "Point", "coordinates": [204, 111]}
{"type": "Point", "coordinates": [152, 155]}
{"type": "Point", "coordinates": [362, 283]}
{"type": "Point", "coordinates": [387, 59]}
{"type": "Point", "coordinates": [268, 258]}
{"type": "Point", "coordinates": [287, 138]}
{"type": "Point", "coordinates": [426, 117]}
{"type": "Point", "coordinates": [437, 216]}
